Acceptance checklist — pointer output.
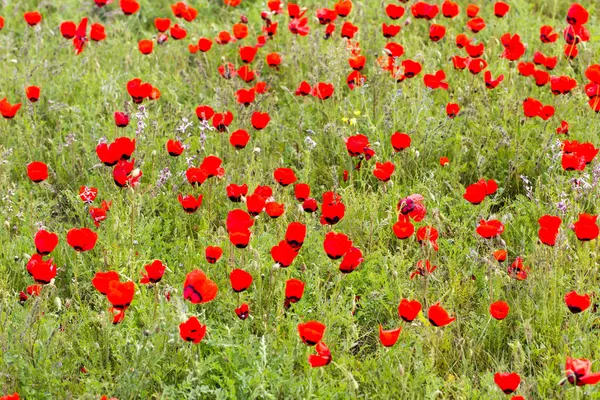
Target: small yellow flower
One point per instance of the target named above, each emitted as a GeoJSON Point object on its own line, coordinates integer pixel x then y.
{"type": "Point", "coordinates": [353, 121]}
{"type": "Point", "coordinates": [345, 120]}
{"type": "Point", "coordinates": [357, 113]}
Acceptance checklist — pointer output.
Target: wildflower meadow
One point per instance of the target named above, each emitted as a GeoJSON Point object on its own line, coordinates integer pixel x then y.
{"type": "Point", "coordinates": [310, 199]}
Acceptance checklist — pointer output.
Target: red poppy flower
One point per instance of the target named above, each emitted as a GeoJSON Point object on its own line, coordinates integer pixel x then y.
{"type": "Point", "coordinates": [348, 30]}
{"type": "Point", "coordinates": [192, 330]}
{"type": "Point", "coordinates": [518, 270]}
{"type": "Point", "coordinates": [162, 24]}
{"type": "Point", "coordinates": [8, 110]}
{"type": "Point", "coordinates": [274, 209]}
{"type": "Point", "coordinates": [577, 302]}
{"type": "Point", "coordinates": [403, 229]}
{"type": "Point", "coordinates": [124, 174]}
{"type": "Point", "coordinates": [423, 268]}
{"type": "Point", "coordinates": [311, 332]}
{"type": "Point", "coordinates": [154, 272]}
{"type": "Point", "coordinates": [490, 229]}
{"type": "Point", "coordinates": [577, 15]}
{"type": "Point", "coordinates": [390, 31]}
{"type": "Point", "coordinates": [242, 311]}
{"type": "Point", "coordinates": [82, 239]}
{"type": "Point", "coordinates": [204, 113]}
{"type": "Point", "coordinates": [213, 253]}
{"type": "Point", "coordinates": [34, 290]}
{"type": "Point", "coordinates": [295, 234]}
{"type": "Point", "coordinates": [438, 316]}
{"type": "Point", "coordinates": [413, 207]}
{"type": "Point", "coordinates": [452, 110]}
{"type": "Point", "coordinates": [411, 68]}
{"type": "Point", "coordinates": [357, 145]}
{"type": "Point", "coordinates": [390, 337]}
{"type": "Point", "coordinates": [240, 239]}
{"type": "Point", "coordinates": [310, 205]}
{"type": "Point", "coordinates": [563, 128]}
{"type": "Point", "coordinates": [450, 9]}
{"type": "Point", "coordinates": [247, 53]}
{"type": "Point", "coordinates": [508, 382]}
{"type": "Point", "coordinates": [204, 44]}
{"type": "Point", "coordinates": [436, 32]}
{"type": "Point", "coordinates": [352, 259]}
{"type": "Point", "coordinates": [284, 254]}
{"type": "Point", "coordinates": [32, 93]}
{"type": "Point", "coordinates": [491, 83]}
{"type": "Point", "coordinates": [190, 203]}
{"type": "Point", "coordinates": [240, 280]}
{"type": "Point", "coordinates": [145, 46]}
{"type": "Point", "coordinates": [97, 32]}
{"type": "Point", "coordinates": [462, 40]}
{"type": "Point", "coordinates": [42, 271]}
{"type": "Point", "coordinates": [428, 234]}
{"type": "Point", "coordinates": [547, 34]}
{"type": "Point", "coordinates": [322, 358]}
{"type": "Point", "coordinates": [260, 120]}
{"type": "Point", "coordinates": [336, 245]}
{"type": "Point", "coordinates": [593, 73]}
{"type": "Point", "coordinates": [585, 227]}
{"type": "Point", "coordinates": [120, 294]}
{"type": "Point", "coordinates": [222, 120]}
{"type": "Point", "coordinates": [343, 8]}
{"type": "Point", "coordinates": [303, 89]}
{"type": "Point", "coordinates": [139, 90]}
{"type": "Point", "coordinates": [1, 23]}
{"type": "Point", "coordinates": [37, 171]}
{"type": "Point", "coordinates": [477, 192]}
{"type": "Point", "coordinates": [548, 232]}
{"type": "Point", "coordinates": [121, 119]}
{"type": "Point", "coordinates": [500, 9]}
{"type": "Point", "coordinates": [294, 289]}
{"type": "Point", "coordinates": [67, 29]}
{"type": "Point", "coordinates": [240, 31]}
{"type": "Point", "coordinates": [235, 192]}
{"type": "Point", "coordinates": [239, 221]}
{"type": "Point", "coordinates": [579, 370]}
{"type": "Point", "coordinates": [562, 84]}
{"type": "Point", "coordinates": [273, 60]}
{"type": "Point", "coordinates": [571, 51]}
{"type": "Point", "coordinates": [435, 81]}
{"type": "Point", "coordinates": [182, 10]}
{"type": "Point", "coordinates": [332, 209]}
{"type": "Point", "coordinates": [45, 242]}
{"type": "Point", "coordinates": [129, 7]}
{"type": "Point", "coordinates": [408, 310]}
{"type": "Point", "coordinates": [299, 26]}
{"type": "Point", "coordinates": [400, 141]}
{"type": "Point", "coordinates": [394, 11]}
{"type": "Point", "coordinates": [472, 10]}
{"type": "Point", "coordinates": [301, 191]}
{"type": "Point", "coordinates": [197, 288]}
{"type": "Point", "coordinates": [499, 310]}
{"type": "Point", "coordinates": [444, 161]}
{"type": "Point", "coordinates": [284, 176]}
{"type": "Point", "coordinates": [174, 147]}
{"type": "Point", "coordinates": [384, 171]}
{"type": "Point", "coordinates": [424, 10]}
{"type": "Point", "coordinates": [102, 280]}
{"type": "Point", "coordinates": [541, 77]}
{"type": "Point", "coordinates": [177, 32]}
{"type": "Point", "coordinates": [32, 18]}
{"type": "Point", "coordinates": [476, 24]}
{"type": "Point", "coordinates": [526, 68]}
{"type": "Point", "coordinates": [323, 91]}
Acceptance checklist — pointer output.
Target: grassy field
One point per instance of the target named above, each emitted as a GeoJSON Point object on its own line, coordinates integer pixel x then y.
{"type": "Point", "coordinates": [62, 344]}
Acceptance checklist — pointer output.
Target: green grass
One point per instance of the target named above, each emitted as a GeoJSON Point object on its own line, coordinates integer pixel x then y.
{"type": "Point", "coordinates": [45, 342]}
